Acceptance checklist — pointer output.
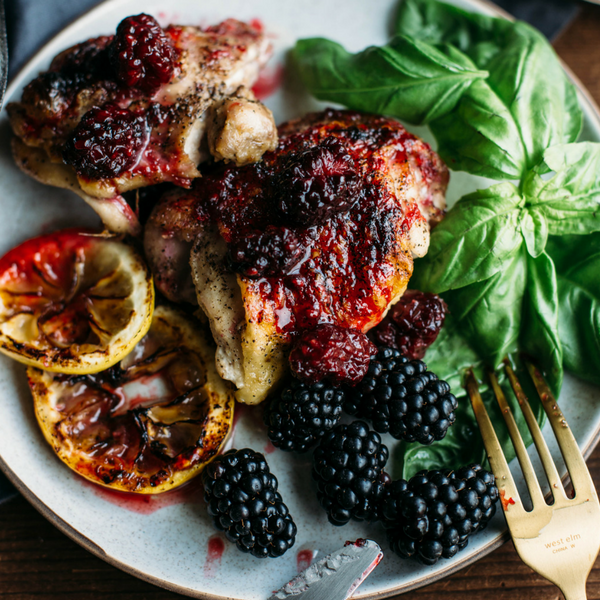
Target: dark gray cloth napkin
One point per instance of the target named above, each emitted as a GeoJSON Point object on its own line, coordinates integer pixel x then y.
{"type": "Point", "coordinates": [31, 23]}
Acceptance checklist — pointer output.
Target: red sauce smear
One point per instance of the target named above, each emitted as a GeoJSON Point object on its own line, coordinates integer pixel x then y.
{"type": "Point", "coordinates": [268, 82]}
{"type": "Point", "coordinates": [146, 504]}
{"type": "Point", "coordinates": [257, 24]}
{"type": "Point", "coordinates": [216, 548]}
{"type": "Point", "coordinates": [269, 448]}
{"type": "Point", "coordinates": [505, 501]}
{"type": "Point", "coordinates": [304, 559]}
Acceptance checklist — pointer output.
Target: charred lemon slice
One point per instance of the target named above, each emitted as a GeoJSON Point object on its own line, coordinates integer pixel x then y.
{"type": "Point", "coordinates": [73, 301]}
{"type": "Point", "coordinates": [145, 425]}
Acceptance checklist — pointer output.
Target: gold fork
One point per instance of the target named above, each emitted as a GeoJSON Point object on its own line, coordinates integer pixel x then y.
{"type": "Point", "coordinates": [558, 541]}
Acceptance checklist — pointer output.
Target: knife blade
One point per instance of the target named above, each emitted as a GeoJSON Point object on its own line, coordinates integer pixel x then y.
{"type": "Point", "coordinates": [336, 576]}
{"type": "Point", "coordinates": [3, 53]}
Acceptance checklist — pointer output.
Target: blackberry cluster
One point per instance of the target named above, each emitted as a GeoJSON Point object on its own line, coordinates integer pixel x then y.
{"type": "Point", "coordinates": [298, 417]}
{"type": "Point", "coordinates": [434, 514]}
{"type": "Point", "coordinates": [348, 468]}
{"type": "Point", "coordinates": [243, 501]}
{"type": "Point", "coordinates": [402, 398]}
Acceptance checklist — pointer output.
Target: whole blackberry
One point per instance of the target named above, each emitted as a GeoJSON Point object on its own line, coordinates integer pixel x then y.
{"type": "Point", "coordinates": [348, 468]}
{"type": "Point", "coordinates": [107, 141]}
{"type": "Point", "coordinates": [243, 501]}
{"type": "Point", "coordinates": [435, 513]}
{"type": "Point", "coordinates": [142, 53]}
{"type": "Point", "coordinates": [412, 324]}
{"type": "Point", "coordinates": [275, 251]}
{"type": "Point", "coordinates": [402, 398]}
{"type": "Point", "coordinates": [318, 182]}
{"type": "Point", "coordinates": [331, 353]}
{"type": "Point", "coordinates": [299, 416]}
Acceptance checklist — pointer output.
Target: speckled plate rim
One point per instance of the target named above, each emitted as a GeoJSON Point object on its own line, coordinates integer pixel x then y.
{"type": "Point", "coordinates": [454, 566]}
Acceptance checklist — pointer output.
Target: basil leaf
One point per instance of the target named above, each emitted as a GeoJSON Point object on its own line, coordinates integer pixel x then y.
{"type": "Point", "coordinates": [474, 240]}
{"type": "Point", "coordinates": [539, 331]}
{"type": "Point", "coordinates": [489, 312]}
{"type": "Point", "coordinates": [578, 266]}
{"type": "Point", "coordinates": [530, 80]}
{"type": "Point", "coordinates": [570, 199]}
{"type": "Point", "coordinates": [479, 36]}
{"type": "Point", "coordinates": [408, 79]}
{"type": "Point", "coordinates": [534, 228]}
{"type": "Point", "coordinates": [481, 136]}
{"type": "Point", "coordinates": [450, 355]}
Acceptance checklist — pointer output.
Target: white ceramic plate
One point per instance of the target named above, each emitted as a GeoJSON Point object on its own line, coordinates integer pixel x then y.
{"type": "Point", "coordinates": [166, 540]}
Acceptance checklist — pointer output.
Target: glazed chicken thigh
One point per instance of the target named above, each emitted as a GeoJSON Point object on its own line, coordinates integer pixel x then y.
{"type": "Point", "coordinates": [323, 230]}
{"type": "Point", "coordinates": [145, 106]}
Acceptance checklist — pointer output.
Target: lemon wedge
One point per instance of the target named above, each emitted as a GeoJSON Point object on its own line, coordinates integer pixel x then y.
{"type": "Point", "coordinates": [73, 301]}
{"type": "Point", "coordinates": [146, 425]}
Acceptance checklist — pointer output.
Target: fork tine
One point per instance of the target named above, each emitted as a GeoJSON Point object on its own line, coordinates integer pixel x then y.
{"type": "Point", "coordinates": [504, 479]}
{"type": "Point", "coordinates": [556, 486]}
{"type": "Point", "coordinates": [580, 477]}
{"type": "Point", "coordinates": [535, 491]}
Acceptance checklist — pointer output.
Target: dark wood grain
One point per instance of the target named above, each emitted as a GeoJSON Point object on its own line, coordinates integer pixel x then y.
{"type": "Point", "coordinates": [38, 562]}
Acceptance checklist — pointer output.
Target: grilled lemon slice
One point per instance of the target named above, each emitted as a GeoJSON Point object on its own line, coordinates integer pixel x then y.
{"type": "Point", "coordinates": [73, 301]}
{"type": "Point", "coordinates": [145, 425]}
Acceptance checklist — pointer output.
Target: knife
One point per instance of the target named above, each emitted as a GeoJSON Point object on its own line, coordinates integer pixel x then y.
{"type": "Point", "coordinates": [3, 53]}
{"type": "Point", "coordinates": [336, 576]}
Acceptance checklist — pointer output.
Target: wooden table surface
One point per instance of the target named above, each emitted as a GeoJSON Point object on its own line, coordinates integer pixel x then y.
{"type": "Point", "coordinates": [37, 561]}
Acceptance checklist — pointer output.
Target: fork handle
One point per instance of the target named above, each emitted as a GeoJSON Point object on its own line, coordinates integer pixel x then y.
{"type": "Point", "coordinates": [574, 590]}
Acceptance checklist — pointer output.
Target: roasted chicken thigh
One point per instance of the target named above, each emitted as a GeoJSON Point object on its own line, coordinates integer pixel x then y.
{"type": "Point", "coordinates": [322, 230]}
{"type": "Point", "coordinates": [145, 106]}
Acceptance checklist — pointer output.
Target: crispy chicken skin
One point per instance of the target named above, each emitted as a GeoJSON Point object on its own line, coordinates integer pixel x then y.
{"type": "Point", "coordinates": [206, 107]}
{"type": "Point", "coordinates": [347, 268]}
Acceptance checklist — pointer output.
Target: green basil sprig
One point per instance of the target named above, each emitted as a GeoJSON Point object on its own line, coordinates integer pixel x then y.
{"type": "Point", "coordinates": [408, 79]}
{"type": "Point", "coordinates": [488, 257]}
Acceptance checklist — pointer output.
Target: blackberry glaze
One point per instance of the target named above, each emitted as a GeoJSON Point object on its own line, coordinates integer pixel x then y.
{"type": "Point", "coordinates": [331, 353]}
{"type": "Point", "coordinates": [434, 514]}
{"type": "Point", "coordinates": [243, 501]}
{"type": "Point", "coordinates": [402, 398]}
{"type": "Point", "coordinates": [412, 324]}
{"type": "Point", "coordinates": [348, 468]}
{"type": "Point", "coordinates": [142, 54]}
{"type": "Point", "coordinates": [301, 414]}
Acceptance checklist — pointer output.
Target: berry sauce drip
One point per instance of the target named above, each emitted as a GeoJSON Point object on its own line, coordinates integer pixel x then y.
{"type": "Point", "coordinates": [412, 324]}
{"type": "Point", "coordinates": [346, 260]}
{"type": "Point", "coordinates": [331, 353]}
{"type": "Point", "coordinates": [107, 142]}
{"type": "Point", "coordinates": [142, 54]}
